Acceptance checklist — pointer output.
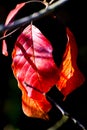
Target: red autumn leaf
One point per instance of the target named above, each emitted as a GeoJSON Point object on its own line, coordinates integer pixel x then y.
{"type": "Point", "coordinates": [70, 75]}
{"type": "Point", "coordinates": [9, 19]}
{"type": "Point", "coordinates": [33, 64]}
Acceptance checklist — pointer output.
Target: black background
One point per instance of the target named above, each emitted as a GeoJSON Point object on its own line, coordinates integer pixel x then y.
{"type": "Point", "coordinates": [72, 14]}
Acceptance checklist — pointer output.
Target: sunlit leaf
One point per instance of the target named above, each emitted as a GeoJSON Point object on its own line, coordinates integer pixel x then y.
{"type": "Point", "coordinates": [33, 64]}
{"type": "Point", "coordinates": [70, 75]}
{"type": "Point", "coordinates": [34, 108]}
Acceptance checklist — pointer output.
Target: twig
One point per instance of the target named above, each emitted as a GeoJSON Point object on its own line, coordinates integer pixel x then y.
{"type": "Point", "coordinates": [9, 34]}
{"type": "Point", "coordinates": [34, 16]}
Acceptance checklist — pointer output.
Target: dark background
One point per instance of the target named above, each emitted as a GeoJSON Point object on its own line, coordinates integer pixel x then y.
{"type": "Point", "coordinates": [72, 14]}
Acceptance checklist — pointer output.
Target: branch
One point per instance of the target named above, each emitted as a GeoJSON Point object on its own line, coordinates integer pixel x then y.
{"type": "Point", "coordinates": [65, 115]}
{"type": "Point", "coordinates": [34, 16]}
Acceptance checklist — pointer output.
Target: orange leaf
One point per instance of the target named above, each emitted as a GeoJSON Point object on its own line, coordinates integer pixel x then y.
{"type": "Point", "coordinates": [33, 64]}
{"type": "Point", "coordinates": [34, 108]}
{"type": "Point", "coordinates": [70, 75]}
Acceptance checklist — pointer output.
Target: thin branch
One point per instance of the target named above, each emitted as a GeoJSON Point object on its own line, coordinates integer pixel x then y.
{"type": "Point", "coordinates": [34, 16]}
{"type": "Point", "coordinates": [65, 114]}
{"type": "Point", "coordinates": [9, 34]}
{"type": "Point", "coordinates": [27, 85]}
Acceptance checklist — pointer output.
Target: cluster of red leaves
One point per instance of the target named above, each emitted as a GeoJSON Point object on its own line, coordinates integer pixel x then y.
{"type": "Point", "coordinates": [33, 65]}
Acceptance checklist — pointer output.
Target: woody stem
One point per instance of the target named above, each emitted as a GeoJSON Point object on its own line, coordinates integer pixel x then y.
{"type": "Point", "coordinates": [65, 115]}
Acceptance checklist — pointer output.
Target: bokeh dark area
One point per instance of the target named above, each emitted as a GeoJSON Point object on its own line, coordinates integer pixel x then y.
{"type": "Point", "coordinates": [73, 15]}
